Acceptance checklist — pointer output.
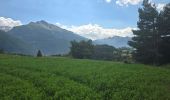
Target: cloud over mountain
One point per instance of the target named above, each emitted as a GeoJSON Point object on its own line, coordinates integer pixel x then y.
{"type": "Point", "coordinates": [9, 22]}
{"type": "Point", "coordinates": [95, 31]}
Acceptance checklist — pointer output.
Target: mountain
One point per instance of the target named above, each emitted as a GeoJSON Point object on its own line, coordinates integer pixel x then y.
{"type": "Point", "coordinates": [12, 44]}
{"type": "Point", "coordinates": [48, 38]}
{"type": "Point", "coordinates": [115, 41]}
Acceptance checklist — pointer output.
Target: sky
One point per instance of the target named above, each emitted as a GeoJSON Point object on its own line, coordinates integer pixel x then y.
{"type": "Point", "coordinates": [94, 19]}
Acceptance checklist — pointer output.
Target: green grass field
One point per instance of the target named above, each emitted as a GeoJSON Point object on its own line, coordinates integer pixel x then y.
{"type": "Point", "coordinates": [29, 78]}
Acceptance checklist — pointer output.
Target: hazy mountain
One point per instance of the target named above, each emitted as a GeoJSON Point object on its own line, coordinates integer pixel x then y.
{"type": "Point", "coordinates": [115, 41]}
{"type": "Point", "coordinates": [49, 38]}
{"type": "Point", "coordinates": [5, 28]}
{"type": "Point", "coordinates": [12, 44]}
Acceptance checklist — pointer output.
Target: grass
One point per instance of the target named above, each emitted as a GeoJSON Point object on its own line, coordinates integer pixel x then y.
{"type": "Point", "coordinates": [52, 78]}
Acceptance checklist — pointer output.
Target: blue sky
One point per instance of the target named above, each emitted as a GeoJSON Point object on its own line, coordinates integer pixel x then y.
{"type": "Point", "coordinates": [106, 13]}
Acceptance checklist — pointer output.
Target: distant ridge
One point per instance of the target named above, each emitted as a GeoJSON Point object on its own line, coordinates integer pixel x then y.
{"type": "Point", "coordinates": [115, 41]}
{"type": "Point", "coordinates": [12, 44]}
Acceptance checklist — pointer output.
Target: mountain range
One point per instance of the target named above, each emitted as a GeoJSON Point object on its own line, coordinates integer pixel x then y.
{"type": "Point", "coordinates": [115, 41]}
{"type": "Point", "coordinates": [49, 38]}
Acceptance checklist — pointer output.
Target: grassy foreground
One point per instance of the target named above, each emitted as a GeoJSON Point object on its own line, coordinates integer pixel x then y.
{"type": "Point", "coordinates": [28, 78]}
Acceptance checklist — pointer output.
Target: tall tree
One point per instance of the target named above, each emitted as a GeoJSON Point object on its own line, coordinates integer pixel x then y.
{"type": "Point", "coordinates": [146, 39]}
{"type": "Point", "coordinates": [164, 31]}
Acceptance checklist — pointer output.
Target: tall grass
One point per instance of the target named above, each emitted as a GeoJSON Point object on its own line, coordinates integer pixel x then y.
{"type": "Point", "coordinates": [73, 79]}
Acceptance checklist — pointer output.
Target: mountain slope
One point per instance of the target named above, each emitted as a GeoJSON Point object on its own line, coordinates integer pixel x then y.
{"type": "Point", "coordinates": [115, 41]}
{"type": "Point", "coordinates": [49, 38]}
{"type": "Point", "coordinates": [11, 44]}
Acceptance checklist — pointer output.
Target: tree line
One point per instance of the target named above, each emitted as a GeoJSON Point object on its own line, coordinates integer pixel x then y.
{"type": "Point", "coordinates": [87, 50]}
{"type": "Point", "coordinates": [151, 41]}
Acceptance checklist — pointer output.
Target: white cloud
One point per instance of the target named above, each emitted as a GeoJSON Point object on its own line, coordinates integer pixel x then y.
{"type": "Point", "coordinates": [62, 26]}
{"type": "Point", "coordinates": [108, 1]}
{"type": "Point", "coordinates": [9, 22]}
{"type": "Point", "coordinates": [94, 31]}
{"type": "Point", "coordinates": [127, 2]}
{"type": "Point", "coordinates": [136, 2]}
{"type": "Point", "coordinates": [160, 6]}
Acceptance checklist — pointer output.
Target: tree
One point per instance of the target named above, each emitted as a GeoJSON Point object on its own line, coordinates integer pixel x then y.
{"type": "Point", "coordinates": [104, 52]}
{"type": "Point", "coordinates": [164, 31]}
{"type": "Point", "coordinates": [146, 39]}
{"type": "Point", "coordinates": [82, 49]}
{"type": "Point", "coordinates": [125, 54]}
{"type": "Point", "coordinates": [39, 54]}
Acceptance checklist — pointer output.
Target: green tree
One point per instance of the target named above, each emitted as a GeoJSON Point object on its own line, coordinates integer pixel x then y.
{"type": "Point", "coordinates": [164, 31]}
{"type": "Point", "coordinates": [82, 49]}
{"type": "Point", "coordinates": [104, 52]}
{"type": "Point", "coordinates": [39, 54]}
{"type": "Point", "coordinates": [125, 54]}
{"type": "Point", "coordinates": [146, 39]}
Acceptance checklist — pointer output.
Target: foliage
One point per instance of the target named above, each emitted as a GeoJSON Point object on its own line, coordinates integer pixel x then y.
{"type": "Point", "coordinates": [124, 54]}
{"type": "Point", "coordinates": [82, 49]}
{"type": "Point", "coordinates": [29, 78]}
{"type": "Point", "coordinates": [103, 52]}
{"type": "Point", "coordinates": [85, 49]}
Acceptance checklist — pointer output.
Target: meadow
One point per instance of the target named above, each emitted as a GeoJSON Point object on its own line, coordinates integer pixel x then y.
{"type": "Point", "coordinates": [59, 78]}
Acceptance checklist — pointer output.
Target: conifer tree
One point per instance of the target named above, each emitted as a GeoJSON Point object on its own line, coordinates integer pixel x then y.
{"type": "Point", "coordinates": [39, 54]}
{"type": "Point", "coordinates": [146, 39]}
{"type": "Point", "coordinates": [164, 31]}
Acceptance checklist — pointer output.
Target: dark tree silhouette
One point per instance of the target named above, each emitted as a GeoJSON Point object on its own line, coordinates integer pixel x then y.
{"type": "Point", "coordinates": [164, 31]}
{"type": "Point", "coordinates": [39, 54]}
